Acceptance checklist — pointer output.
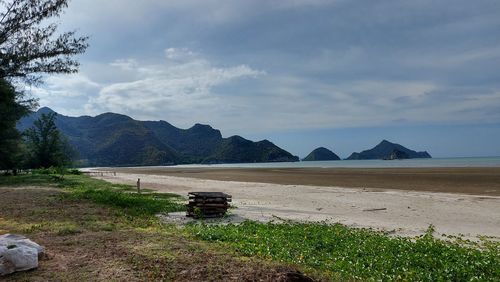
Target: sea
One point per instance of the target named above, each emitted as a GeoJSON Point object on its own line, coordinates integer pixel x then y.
{"type": "Point", "coordinates": [434, 162]}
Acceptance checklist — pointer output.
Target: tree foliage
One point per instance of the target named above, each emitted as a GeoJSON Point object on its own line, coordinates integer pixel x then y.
{"type": "Point", "coordinates": [46, 146]}
{"type": "Point", "coordinates": [29, 47]}
{"type": "Point", "coordinates": [10, 112]}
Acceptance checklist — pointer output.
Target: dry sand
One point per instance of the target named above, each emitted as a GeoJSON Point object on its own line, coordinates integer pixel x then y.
{"type": "Point", "coordinates": [406, 212]}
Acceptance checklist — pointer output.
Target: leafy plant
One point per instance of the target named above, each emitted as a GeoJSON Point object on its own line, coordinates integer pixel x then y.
{"type": "Point", "coordinates": [359, 253]}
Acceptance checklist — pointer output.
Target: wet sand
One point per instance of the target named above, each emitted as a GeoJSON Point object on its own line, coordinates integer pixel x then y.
{"type": "Point", "coordinates": [474, 181]}
{"type": "Point", "coordinates": [406, 213]}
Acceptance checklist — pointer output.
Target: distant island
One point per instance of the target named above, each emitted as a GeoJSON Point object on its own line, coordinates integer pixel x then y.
{"type": "Point", "coordinates": [321, 154]}
{"type": "Point", "coordinates": [112, 139]}
{"type": "Point", "coordinates": [386, 150]}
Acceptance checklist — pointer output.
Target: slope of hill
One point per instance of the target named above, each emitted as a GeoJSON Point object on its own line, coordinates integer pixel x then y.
{"type": "Point", "coordinates": [385, 150]}
{"type": "Point", "coordinates": [112, 139]}
{"type": "Point", "coordinates": [321, 154]}
{"type": "Point", "coordinates": [195, 143]}
{"type": "Point", "coordinates": [237, 149]}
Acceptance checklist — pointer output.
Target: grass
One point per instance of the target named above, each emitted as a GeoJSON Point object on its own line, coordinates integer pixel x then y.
{"type": "Point", "coordinates": [97, 231]}
{"type": "Point", "coordinates": [130, 203]}
{"type": "Point", "coordinates": [359, 253]}
{"type": "Point", "coordinates": [98, 191]}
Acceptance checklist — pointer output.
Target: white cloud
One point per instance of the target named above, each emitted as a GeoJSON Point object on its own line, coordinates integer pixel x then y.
{"type": "Point", "coordinates": [64, 93]}
{"type": "Point", "coordinates": [63, 87]}
{"type": "Point", "coordinates": [181, 54]}
{"type": "Point", "coordinates": [179, 88]}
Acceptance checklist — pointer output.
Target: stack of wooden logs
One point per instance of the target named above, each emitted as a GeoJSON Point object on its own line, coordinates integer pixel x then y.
{"type": "Point", "coordinates": [207, 204]}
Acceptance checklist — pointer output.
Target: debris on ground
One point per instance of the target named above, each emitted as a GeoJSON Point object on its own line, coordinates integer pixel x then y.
{"type": "Point", "coordinates": [18, 253]}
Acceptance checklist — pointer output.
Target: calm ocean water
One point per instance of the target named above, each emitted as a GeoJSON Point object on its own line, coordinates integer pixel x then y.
{"type": "Point", "coordinates": [435, 162]}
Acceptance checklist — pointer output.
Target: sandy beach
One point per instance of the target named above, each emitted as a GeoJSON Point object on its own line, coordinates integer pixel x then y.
{"type": "Point", "coordinates": [476, 181]}
{"type": "Point", "coordinates": [403, 211]}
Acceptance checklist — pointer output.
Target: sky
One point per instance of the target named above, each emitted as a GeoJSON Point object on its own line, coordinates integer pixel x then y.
{"type": "Point", "coordinates": [300, 73]}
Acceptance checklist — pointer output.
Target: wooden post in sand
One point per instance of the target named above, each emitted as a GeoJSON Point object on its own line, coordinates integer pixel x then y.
{"type": "Point", "coordinates": [139, 185]}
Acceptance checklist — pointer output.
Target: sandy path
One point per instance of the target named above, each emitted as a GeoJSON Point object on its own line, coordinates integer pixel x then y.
{"type": "Point", "coordinates": [407, 212]}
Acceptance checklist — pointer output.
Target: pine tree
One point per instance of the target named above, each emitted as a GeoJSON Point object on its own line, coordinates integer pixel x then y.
{"type": "Point", "coordinates": [30, 46]}
{"type": "Point", "coordinates": [45, 144]}
{"type": "Point", "coordinates": [11, 110]}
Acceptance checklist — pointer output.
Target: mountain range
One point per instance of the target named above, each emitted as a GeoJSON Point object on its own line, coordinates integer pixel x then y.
{"type": "Point", "coordinates": [113, 139]}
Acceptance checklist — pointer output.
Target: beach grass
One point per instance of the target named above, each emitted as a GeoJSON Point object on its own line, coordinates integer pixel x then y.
{"type": "Point", "coordinates": [359, 253]}
{"type": "Point", "coordinates": [98, 191]}
{"type": "Point", "coordinates": [134, 204]}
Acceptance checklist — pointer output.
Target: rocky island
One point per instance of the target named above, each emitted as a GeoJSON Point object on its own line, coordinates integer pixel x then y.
{"type": "Point", "coordinates": [397, 155]}
{"type": "Point", "coordinates": [386, 150]}
{"type": "Point", "coordinates": [321, 154]}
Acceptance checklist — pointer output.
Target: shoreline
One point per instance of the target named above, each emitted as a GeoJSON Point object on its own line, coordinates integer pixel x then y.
{"type": "Point", "coordinates": [483, 181]}
{"type": "Point", "coordinates": [399, 212]}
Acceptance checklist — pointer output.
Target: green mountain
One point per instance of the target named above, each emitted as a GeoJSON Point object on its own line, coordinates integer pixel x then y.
{"type": "Point", "coordinates": [321, 154]}
{"type": "Point", "coordinates": [388, 150]}
{"type": "Point", "coordinates": [112, 139]}
{"type": "Point", "coordinates": [194, 144]}
{"type": "Point", "coordinates": [237, 149]}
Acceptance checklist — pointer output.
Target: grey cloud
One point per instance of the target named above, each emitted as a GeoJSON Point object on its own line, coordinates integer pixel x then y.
{"type": "Point", "coordinates": [179, 89]}
{"type": "Point", "coordinates": [272, 65]}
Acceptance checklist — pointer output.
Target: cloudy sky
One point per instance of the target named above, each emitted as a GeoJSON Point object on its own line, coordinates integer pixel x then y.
{"type": "Point", "coordinates": [301, 73]}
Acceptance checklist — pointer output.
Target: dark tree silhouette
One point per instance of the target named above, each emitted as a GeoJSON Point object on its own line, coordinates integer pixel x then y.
{"type": "Point", "coordinates": [29, 47]}
{"type": "Point", "coordinates": [46, 147]}
{"type": "Point", "coordinates": [10, 112]}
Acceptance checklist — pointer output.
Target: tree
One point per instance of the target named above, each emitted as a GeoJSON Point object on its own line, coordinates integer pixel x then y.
{"type": "Point", "coordinates": [10, 112]}
{"type": "Point", "coordinates": [46, 147]}
{"type": "Point", "coordinates": [29, 47]}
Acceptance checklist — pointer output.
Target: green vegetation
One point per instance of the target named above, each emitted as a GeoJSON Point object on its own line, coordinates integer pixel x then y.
{"type": "Point", "coordinates": [130, 203]}
{"type": "Point", "coordinates": [237, 149]}
{"type": "Point", "coordinates": [359, 253]}
{"type": "Point", "coordinates": [46, 146]}
{"type": "Point", "coordinates": [91, 239]}
{"type": "Point", "coordinates": [30, 46]}
{"type": "Point", "coordinates": [82, 187]}
{"type": "Point", "coordinates": [112, 139]}
{"type": "Point", "coordinates": [13, 106]}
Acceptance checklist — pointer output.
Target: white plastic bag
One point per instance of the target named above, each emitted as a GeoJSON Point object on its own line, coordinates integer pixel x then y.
{"type": "Point", "coordinates": [18, 253]}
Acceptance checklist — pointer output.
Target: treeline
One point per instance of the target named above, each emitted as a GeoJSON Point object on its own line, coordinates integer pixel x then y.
{"type": "Point", "coordinates": [31, 46]}
{"type": "Point", "coordinates": [41, 146]}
